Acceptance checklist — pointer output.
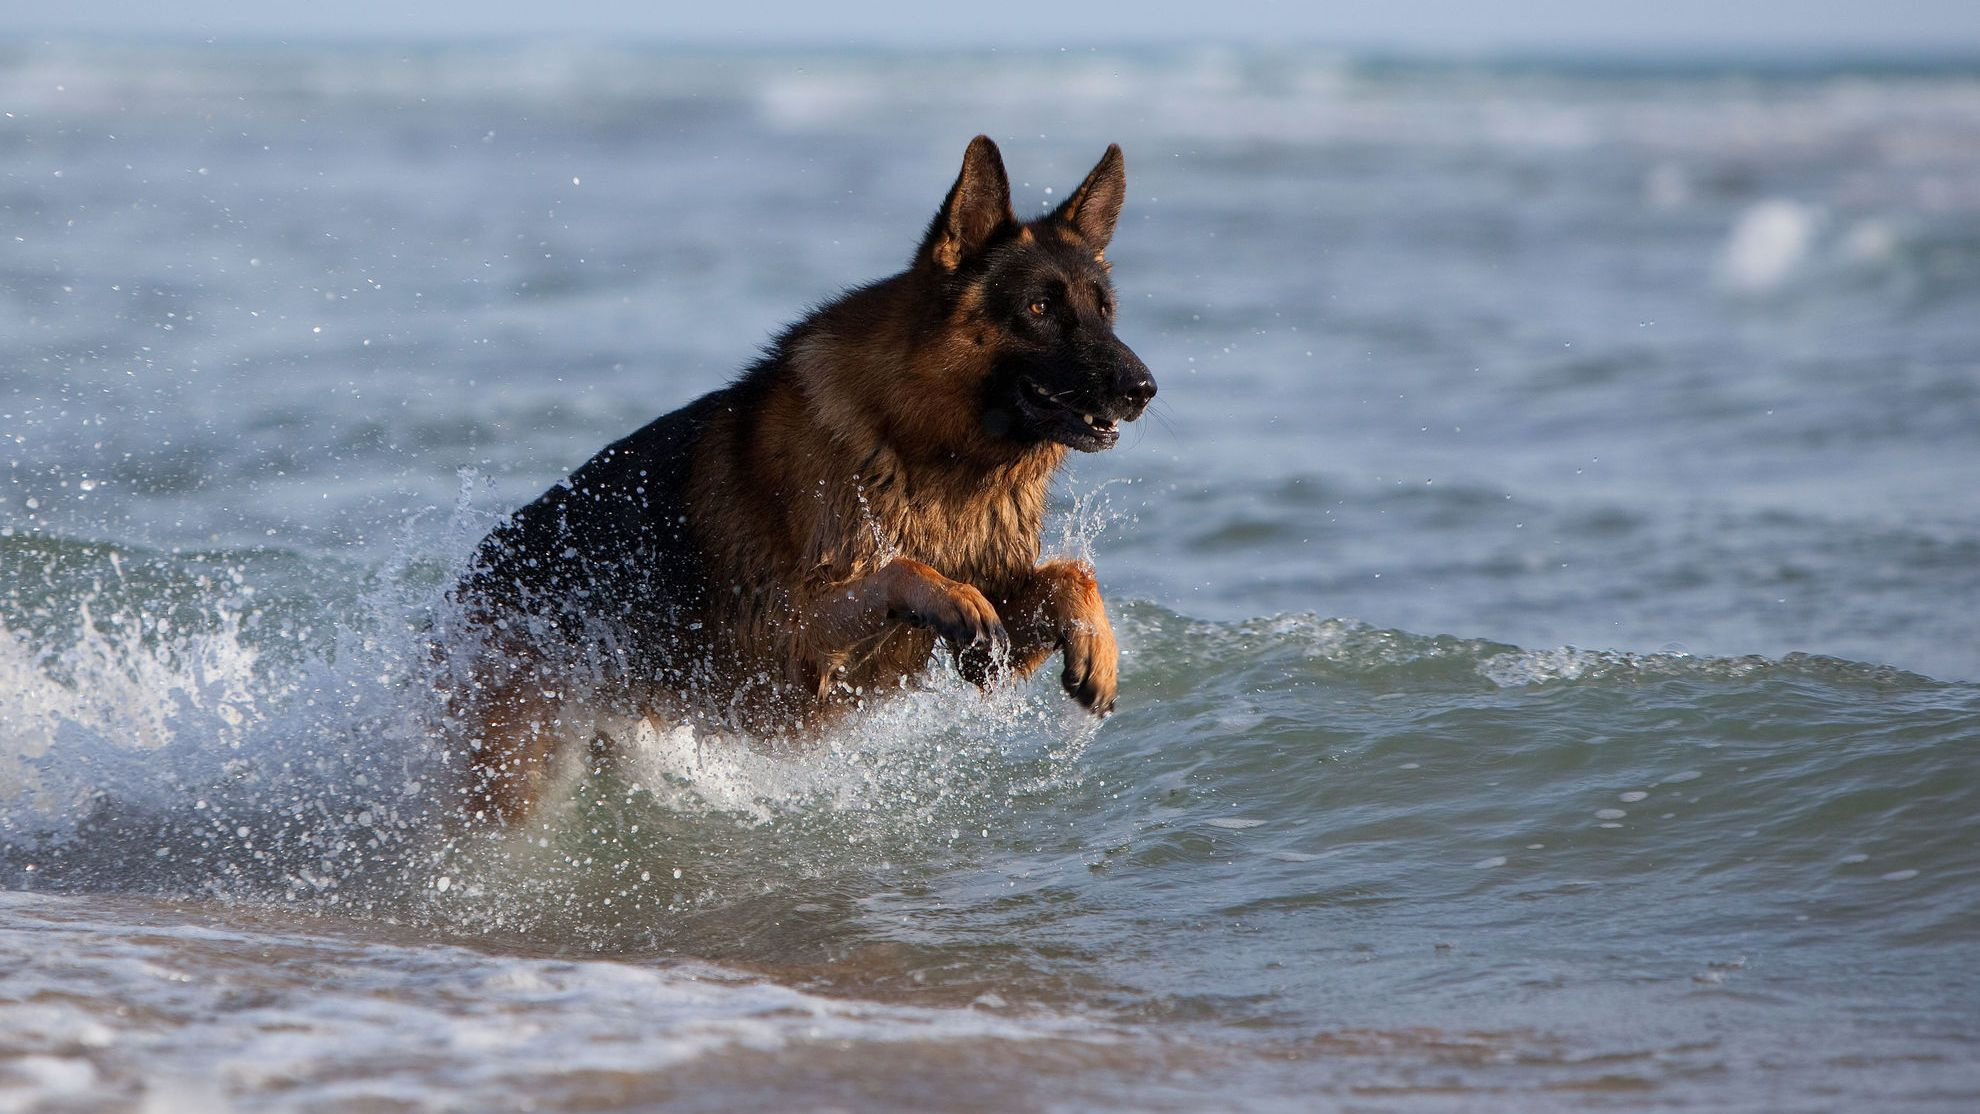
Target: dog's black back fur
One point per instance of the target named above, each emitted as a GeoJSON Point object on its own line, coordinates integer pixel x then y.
{"type": "Point", "coordinates": [611, 542]}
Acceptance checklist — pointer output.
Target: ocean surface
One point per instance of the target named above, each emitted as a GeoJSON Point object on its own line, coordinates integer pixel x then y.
{"type": "Point", "coordinates": [1547, 582]}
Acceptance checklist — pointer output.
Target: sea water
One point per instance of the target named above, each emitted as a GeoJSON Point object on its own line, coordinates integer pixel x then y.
{"type": "Point", "coordinates": [1546, 586]}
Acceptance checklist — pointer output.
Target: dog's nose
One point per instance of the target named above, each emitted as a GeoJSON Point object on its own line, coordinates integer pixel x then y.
{"type": "Point", "coordinates": [1135, 387]}
{"type": "Point", "coordinates": [1139, 387]}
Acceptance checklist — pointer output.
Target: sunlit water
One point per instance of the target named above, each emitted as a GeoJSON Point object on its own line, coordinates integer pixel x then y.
{"type": "Point", "coordinates": [1546, 588]}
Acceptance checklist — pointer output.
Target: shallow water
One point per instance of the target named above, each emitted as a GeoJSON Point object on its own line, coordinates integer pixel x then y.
{"type": "Point", "coordinates": [1545, 589]}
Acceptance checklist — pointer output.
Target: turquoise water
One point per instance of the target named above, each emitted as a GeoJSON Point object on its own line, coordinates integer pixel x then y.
{"type": "Point", "coordinates": [1545, 588]}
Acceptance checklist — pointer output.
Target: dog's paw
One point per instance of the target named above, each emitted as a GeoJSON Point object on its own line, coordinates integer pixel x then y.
{"type": "Point", "coordinates": [981, 666]}
{"type": "Point", "coordinates": [966, 620]}
{"type": "Point", "coordinates": [1093, 666]}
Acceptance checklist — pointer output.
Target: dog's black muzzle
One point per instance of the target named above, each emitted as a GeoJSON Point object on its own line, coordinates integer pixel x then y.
{"type": "Point", "coordinates": [1083, 410]}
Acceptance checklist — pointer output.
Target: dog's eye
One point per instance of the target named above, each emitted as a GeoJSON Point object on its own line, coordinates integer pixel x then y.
{"type": "Point", "coordinates": [1038, 308]}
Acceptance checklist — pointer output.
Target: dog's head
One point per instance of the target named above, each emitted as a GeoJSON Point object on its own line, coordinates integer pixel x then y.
{"type": "Point", "coordinates": [1037, 298]}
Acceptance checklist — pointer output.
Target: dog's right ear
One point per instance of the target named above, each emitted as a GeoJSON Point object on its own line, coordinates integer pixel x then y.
{"type": "Point", "coordinates": [977, 206]}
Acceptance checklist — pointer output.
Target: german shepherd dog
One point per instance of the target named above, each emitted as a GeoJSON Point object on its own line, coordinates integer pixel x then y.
{"type": "Point", "coordinates": [797, 541]}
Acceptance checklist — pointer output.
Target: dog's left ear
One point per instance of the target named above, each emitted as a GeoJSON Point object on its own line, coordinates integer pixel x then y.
{"type": "Point", "coordinates": [977, 206]}
{"type": "Point", "coordinates": [1095, 206]}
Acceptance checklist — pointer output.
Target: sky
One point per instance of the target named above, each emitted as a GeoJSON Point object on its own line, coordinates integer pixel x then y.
{"type": "Point", "coordinates": [1720, 26]}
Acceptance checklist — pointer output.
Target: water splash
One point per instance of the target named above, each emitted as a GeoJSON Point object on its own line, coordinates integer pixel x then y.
{"type": "Point", "coordinates": [260, 755]}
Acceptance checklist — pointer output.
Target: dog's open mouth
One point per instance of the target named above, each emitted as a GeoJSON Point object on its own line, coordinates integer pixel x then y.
{"type": "Point", "coordinates": [1070, 421]}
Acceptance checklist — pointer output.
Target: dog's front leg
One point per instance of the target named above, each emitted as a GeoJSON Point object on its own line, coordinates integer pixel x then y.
{"type": "Point", "coordinates": [1059, 608]}
{"type": "Point", "coordinates": [510, 715]}
{"type": "Point", "coordinates": [844, 616]}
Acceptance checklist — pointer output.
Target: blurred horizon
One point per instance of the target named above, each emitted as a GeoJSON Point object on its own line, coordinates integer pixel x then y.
{"type": "Point", "coordinates": [1665, 58]}
{"type": "Point", "coordinates": [1774, 29]}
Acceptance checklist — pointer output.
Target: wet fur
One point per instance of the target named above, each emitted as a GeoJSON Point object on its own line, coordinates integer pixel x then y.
{"type": "Point", "coordinates": [801, 539]}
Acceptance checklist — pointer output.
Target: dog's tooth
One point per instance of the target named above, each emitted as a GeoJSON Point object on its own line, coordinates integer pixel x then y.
{"type": "Point", "coordinates": [1088, 417]}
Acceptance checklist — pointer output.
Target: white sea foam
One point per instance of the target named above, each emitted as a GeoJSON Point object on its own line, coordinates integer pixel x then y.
{"type": "Point", "coordinates": [1767, 244]}
{"type": "Point", "coordinates": [920, 737]}
{"type": "Point", "coordinates": [114, 692]}
{"type": "Point", "coordinates": [315, 1030]}
{"type": "Point", "coordinates": [1519, 668]}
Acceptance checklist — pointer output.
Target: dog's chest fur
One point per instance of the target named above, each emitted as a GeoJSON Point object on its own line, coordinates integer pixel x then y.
{"type": "Point", "coordinates": [980, 527]}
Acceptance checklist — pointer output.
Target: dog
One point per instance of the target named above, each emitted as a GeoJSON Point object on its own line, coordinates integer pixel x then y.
{"type": "Point", "coordinates": [798, 541]}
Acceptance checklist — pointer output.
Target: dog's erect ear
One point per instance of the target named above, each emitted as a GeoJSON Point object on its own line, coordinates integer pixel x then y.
{"type": "Point", "coordinates": [978, 204]}
{"type": "Point", "coordinates": [1094, 207]}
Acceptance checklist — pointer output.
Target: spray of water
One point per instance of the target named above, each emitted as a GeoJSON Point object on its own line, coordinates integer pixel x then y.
{"type": "Point", "coordinates": [234, 746]}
